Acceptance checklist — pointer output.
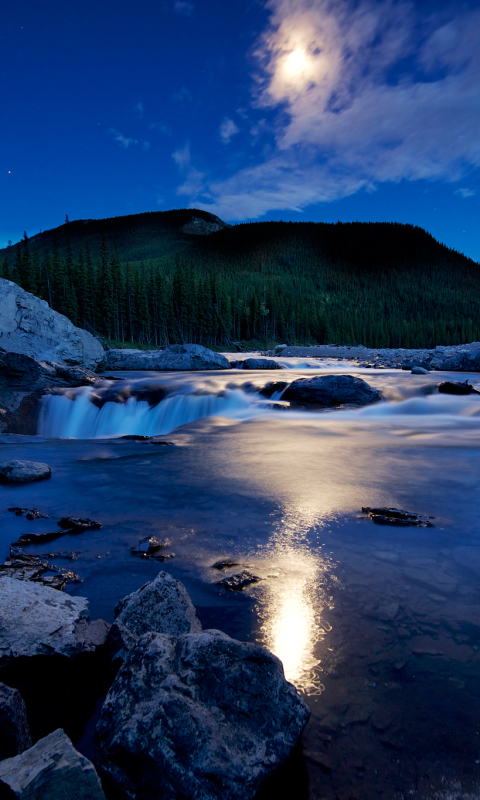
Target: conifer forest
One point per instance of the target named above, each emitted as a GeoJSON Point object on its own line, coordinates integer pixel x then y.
{"type": "Point", "coordinates": [147, 279]}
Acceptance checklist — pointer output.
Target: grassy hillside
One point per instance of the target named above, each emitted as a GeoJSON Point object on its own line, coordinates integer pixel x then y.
{"type": "Point", "coordinates": [146, 278]}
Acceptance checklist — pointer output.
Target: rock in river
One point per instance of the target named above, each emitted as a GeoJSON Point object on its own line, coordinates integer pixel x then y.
{"type": "Point", "coordinates": [260, 363]}
{"type": "Point", "coordinates": [52, 768]}
{"type": "Point", "coordinates": [331, 390]}
{"type": "Point", "coordinates": [175, 357]}
{"type": "Point", "coordinates": [200, 716]}
{"type": "Point", "coordinates": [457, 387]}
{"type": "Point", "coordinates": [23, 471]}
{"type": "Point", "coordinates": [28, 325]}
{"type": "Point", "coordinates": [14, 731]}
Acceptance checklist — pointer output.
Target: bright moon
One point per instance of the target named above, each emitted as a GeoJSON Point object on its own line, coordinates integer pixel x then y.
{"type": "Point", "coordinates": [296, 62]}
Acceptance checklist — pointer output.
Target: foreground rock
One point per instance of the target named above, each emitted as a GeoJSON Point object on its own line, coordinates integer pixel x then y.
{"type": "Point", "coordinates": [331, 390]}
{"type": "Point", "coordinates": [457, 387]}
{"type": "Point", "coordinates": [14, 731]}
{"type": "Point", "coordinates": [24, 567]}
{"type": "Point", "coordinates": [37, 620]}
{"type": "Point", "coordinates": [52, 768]}
{"type": "Point", "coordinates": [200, 716]}
{"type": "Point", "coordinates": [176, 357]}
{"type": "Point", "coordinates": [28, 325]}
{"type": "Point", "coordinates": [23, 471]}
{"type": "Point", "coordinates": [163, 605]}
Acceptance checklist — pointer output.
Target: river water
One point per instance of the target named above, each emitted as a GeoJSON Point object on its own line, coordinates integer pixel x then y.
{"type": "Point", "coordinates": [378, 626]}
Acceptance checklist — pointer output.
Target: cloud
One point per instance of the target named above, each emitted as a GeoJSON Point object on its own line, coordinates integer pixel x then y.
{"type": "Point", "coordinates": [465, 193]}
{"type": "Point", "coordinates": [182, 96]}
{"type": "Point", "coordinates": [182, 157]}
{"type": "Point", "coordinates": [139, 109]}
{"type": "Point", "coordinates": [364, 93]}
{"type": "Point", "coordinates": [194, 180]}
{"type": "Point", "coordinates": [183, 7]}
{"type": "Point", "coordinates": [228, 129]}
{"type": "Point", "coordinates": [159, 126]}
{"type": "Point", "coordinates": [122, 140]}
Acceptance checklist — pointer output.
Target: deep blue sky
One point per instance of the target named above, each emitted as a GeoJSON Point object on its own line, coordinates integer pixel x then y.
{"type": "Point", "coordinates": [285, 109]}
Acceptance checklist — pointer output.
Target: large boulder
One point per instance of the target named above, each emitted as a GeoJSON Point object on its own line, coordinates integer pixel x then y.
{"type": "Point", "coordinates": [28, 325]}
{"type": "Point", "coordinates": [163, 606]}
{"type": "Point", "coordinates": [331, 390]}
{"type": "Point", "coordinates": [200, 716]}
{"type": "Point", "coordinates": [466, 359]}
{"type": "Point", "coordinates": [52, 768]}
{"type": "Point", "coordinates": [176, 357]}
{"type": "Point", "coordinates": [260, 363]}
{"type": "Point", "coordinates": [38, 620]}
{"type": "Point", "coordinates": [14, 731]}
{"type": "Point", "coordinates": [23, 471]}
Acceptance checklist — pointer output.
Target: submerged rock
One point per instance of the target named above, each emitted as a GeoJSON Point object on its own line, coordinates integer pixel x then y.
{"type": "Point", "coordinates": [331, 390]}
{"type": "Point", "coordinates": [272, 388]}
{"type": "Point", "coordinates": [52, 768]}
{"type": "Point", "coordinates": [175, 357]}
{"type": "Point", "coordinates": [457, 387]}
{"type": "Point", "coordinates": [14, 731]}
{"type": "Point", "coordinates": [23, 471]}
{"type": "Point", "coordinates": [201, 716]}
{"type": "Point", "coordinates": [260, 363]}
{"type": "Point", "coordinates": [28, 325]}
{"type": "Point", "coordinates": [397, 517]}
{"type": "Point", "coordinates": [420, 371]}
{"type": "Point", "coordinates": [30, 513]}
{"type": "Point", "coordinates": [236, 583]}
{"type": "Point", "coordinates": [79, 524]}
{"type": "Point", "coordinates": [163, 605]}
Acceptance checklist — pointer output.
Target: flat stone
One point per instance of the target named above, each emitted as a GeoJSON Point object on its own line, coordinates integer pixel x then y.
{"type": "Point", "coordinates": [23, 471]}
{"type": "Point", "coordinates": [199, 716]}
{"type": "Point", "coordinates": [52, 768]}
{"type": "Point", "coordinates": [14, 731]}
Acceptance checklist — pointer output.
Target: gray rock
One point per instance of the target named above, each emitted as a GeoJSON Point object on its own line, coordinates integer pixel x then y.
{"type": "Point", "coordinates": [38, 620]}
{"type": "Point", "coordinates": [163, 606]}
{"type": "Point", "coordinates": [260, 363]}
{"type": "Point", "coordinates": [177, 357]}
{"type": "Point", "coordinates": [14, 731]}
{"type": "Point", "coordinates": [420, 371]}
{"type": "Point", "coordinates": [23, 471]}
{"type": "Point", "coordinates": [200, 716]}
{"type": "Point", "coordinates": [52, 769]}
{"type": "Point", "coordinates": [28, 325]}
{"type": "Point", "coordinates": [465, 359]}
{"type": "Point", "coordinates": [331, 390]}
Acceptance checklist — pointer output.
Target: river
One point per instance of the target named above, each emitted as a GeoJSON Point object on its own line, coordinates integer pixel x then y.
{"type": "Point", "coordinates": [378, 626]}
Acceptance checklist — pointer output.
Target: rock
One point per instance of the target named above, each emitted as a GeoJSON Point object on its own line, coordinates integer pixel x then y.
{"type": "Point", "coordinates": [260, 363]}
{"type": "Point", "coordinates": [36, 620]}
{"type": "Point", "coordinates": [52, 768]}
{"type": "Point", "coordinates": [25, 567]}
{"type": "Point", "coordinates": [23, 471]}
{"type": "Point", "coordinates": [200, 716]}
{"type": "Point", "coordinates": [272, 388]}
{"type": "Point", "coordinates": [225, 564]}
{"type": "Point", "coordinates": [465, 359]}
{"type": "Point", "coordinates": [163, 605]}
{"type": "Point", "coordinates": [397, 517]}
{"type": "Point", "coordinates": [420, 371]}
{"type": "Point", "coordinates": [414, 364]}
{"type": "Point", "coordinates": [148, 547]}
{"type": "Point", "coordinates": [14, 731]}
{"type": "Point", "coordinates": [30, 513]}
{"type": "Point", "coordinates": [456, 387]}
{"type": "Point", "coordinates": [279, 348]}
{"type": "Point", "coordinates": [177, 357]}
{"type": "Point", "coordinates": [79, 524]}
{"type": "Point", "coordinates": [236, 583]}
{"type": "Point", "coordinates": [28, 325]}
{"type": "Point", "coordinates": [331, 390]}
{"type": "Point", "coordinates": [201, 227]}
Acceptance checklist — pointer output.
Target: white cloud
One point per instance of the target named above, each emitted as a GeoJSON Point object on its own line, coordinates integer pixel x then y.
{"type": "Point", "coordinates": [369, 92]}
{"type": "Point", "coordinates": [465, 193]}
{"type": "Point", "coordinates": [227, 130]}
{"type": "Point", "coordinates": [139, 109]}
{"type": "Point", "coordinates": [194, 180]}
{"type": "Point", "coordinates": [183, 95]}
{"type": "Point", "coordinates": [182, 157]}
{"type": "Point", "coordinates": [183, 7]}
{"type": "Point", "coordinates": [122, 140]}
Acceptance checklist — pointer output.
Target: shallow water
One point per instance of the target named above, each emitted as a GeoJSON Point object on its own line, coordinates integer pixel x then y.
{"type": "Point", "coordinates": [378, 626]}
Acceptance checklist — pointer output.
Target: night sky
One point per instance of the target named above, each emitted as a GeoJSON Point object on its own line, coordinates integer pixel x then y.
{"type": "Point", "coordinates": [285, 109]}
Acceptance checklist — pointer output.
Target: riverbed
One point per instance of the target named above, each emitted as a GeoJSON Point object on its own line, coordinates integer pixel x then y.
{"type": "Point", "coordinates": [378, 626]}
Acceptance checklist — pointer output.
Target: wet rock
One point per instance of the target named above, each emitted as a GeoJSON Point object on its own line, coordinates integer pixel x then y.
{"type": "Point", "coordinates": [225, 564]}
{"type": "Point", "coordinates": [175, 357]}
{"type": "Point", "coordinates": [79, 524]}
{"type": "Point", "coordinates": [260, 363]}
{"type": "Point", "coordinates": [23, 471]}
{"type": "Point", "coordinates": [148, 547]}
{"type": "Point", "coordinates": [236, 583]}
{"type": "Point", "coordinates": [135, 437]}
{"type": "Point", "coordinates": [163, 605]}
{"type": "Point", "coordinates": [457, 388]}
{"type": "Point", "coordinates": [420, 371]}
{"type": "Point", "coordinates": [29, 326]}
{"type": "Point", "coordinates": [39, 621]}
{"type": "Point", "coordinates": [272, 388]}
{"type": "Point", "coordinates": [30, 513]}
{"type": "Point", "coordinates": [331, 390]}
{"type": "Point", "coordinates": [52, 768]}
{"type": "Point", "coordinates": [14, 731]}
{"type": "Point", "coordinates": [199, 716]}
{"type": "Point", "coordinates": [397, 517]}
{"type": "Point", "coordinates": [37, 538]}
{"type": "Point", "coordinates": [412, 364]}
{"type": "Point", "coordinates": [36, 568]}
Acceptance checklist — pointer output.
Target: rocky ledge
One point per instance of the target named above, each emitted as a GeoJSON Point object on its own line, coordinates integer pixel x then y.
{"type": "Point", "coordinates": [176, 357]}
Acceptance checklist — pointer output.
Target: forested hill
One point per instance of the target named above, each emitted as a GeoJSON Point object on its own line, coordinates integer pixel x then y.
{"type": "Point", "coordinates": [152, 279]}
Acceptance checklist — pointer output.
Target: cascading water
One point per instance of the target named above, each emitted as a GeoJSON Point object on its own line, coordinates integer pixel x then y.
{"type": "Point", "coordinates": [77, 417]}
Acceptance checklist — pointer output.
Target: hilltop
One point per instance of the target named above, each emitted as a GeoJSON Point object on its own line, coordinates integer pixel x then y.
{"type": "Point", "coordinates": [186, 275]}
